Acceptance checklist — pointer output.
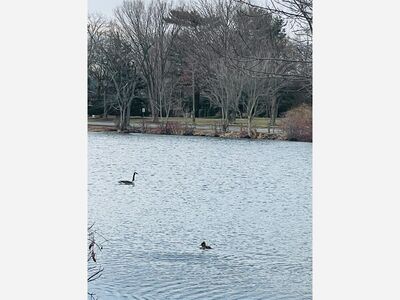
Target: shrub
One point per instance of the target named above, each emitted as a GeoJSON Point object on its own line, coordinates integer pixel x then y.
{"type": "Point", "coordinates": [297, 124]}
{"type": "Point", "coordinates": [174, 128]}
{"type": "Point", "coordinates": [188, 130]}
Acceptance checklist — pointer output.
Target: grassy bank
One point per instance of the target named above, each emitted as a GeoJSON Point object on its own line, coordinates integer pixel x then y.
{"type": "Point", "coordinates": [257, 122]}
{"type": "Point", "coordinates": [294, 125]}
{"type": "Point", "coordinates": [184, 126]}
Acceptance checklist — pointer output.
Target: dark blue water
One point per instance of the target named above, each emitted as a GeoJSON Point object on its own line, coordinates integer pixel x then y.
{"type": "Point", "coordinates": [251, 200]}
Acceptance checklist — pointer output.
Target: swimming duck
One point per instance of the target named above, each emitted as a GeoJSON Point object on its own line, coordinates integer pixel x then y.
{"type": "Point", "coordinates": [204, 246]}
{"type": "Point", "coordinates": [127, 182]}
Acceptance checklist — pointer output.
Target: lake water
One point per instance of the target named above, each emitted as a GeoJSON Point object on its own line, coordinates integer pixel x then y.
{"type": "Point", "coordinates": [250, 200]}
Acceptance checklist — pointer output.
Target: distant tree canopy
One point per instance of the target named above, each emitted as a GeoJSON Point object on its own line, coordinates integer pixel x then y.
{"type": "Point", "coordinates": [222, 58]}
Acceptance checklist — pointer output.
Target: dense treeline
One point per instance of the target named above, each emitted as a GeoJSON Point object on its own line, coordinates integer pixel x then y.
{"type": "Point", "coordinates": [224, 59]}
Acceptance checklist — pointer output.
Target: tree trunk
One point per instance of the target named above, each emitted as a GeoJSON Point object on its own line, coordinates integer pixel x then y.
{"type": "Point", "coordinates": [160, 107]}
{"type": "Point", "coordinates": [225, 126]}
{"type": "Point", "coordinates": [128, 115]}
{"type": "Point", "coordinates": [194, 100]}
{"type": "Point", "coordinates": [124, 117]}
{"type": "Point", "coordinates": [224, 120]}
{"type": "Point", "coordinates": [105, 109]}
{"type": "Point", "coordinates": [272, 114]}
{"type": "Point", "coordinates": [249, 124]}
{"type": "Point", "coordinates": [121, 118]}
{"type": "Point", "coordinates": [154, 112]}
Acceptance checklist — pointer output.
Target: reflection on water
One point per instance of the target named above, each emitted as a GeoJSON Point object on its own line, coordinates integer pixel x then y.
{"type": "Point", "coordinates": [250, 200]}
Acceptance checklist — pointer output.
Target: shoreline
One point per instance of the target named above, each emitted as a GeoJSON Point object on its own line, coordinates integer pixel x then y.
{"type": "Point", "coordinates": [194, 132]}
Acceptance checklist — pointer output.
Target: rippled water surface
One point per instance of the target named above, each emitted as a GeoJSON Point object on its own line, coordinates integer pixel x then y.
{"type": "Point", "coordinates": [251, 200]}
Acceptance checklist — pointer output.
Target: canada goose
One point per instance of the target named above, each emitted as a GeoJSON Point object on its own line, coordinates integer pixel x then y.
{"type": "Point", "coordinates": [127, 181]}
{"type": "Point", "coordinates": [204, 246]}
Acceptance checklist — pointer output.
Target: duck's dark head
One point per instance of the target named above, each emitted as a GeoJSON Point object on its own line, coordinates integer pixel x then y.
{"type": "Point", "coordinates": [203, 244]}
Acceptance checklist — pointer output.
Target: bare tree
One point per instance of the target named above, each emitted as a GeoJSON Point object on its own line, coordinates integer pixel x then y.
{"type": "Point", "coordinates": [298, 16]}
{"type": "Point", "coordinates": [222, 85]}
{"type": "Point", "coordinates": [123, 72]}
{"type": "Point", "coordinates": [261, 34]}
{"type": "Point", "coordinates": [187, 43]}
{"type": "Point", "coordinates": [95, 29]}
{"type": "Point", "coordinates": [224, 89]}
{"type": "Point", "coordinates": [298, 12]}
{"type": "Point", "coordinates": [151, 39]}
{"type": "Point", "coordinates": [98, 82]}
{"type": "Point", "coordinates": [252, 102]}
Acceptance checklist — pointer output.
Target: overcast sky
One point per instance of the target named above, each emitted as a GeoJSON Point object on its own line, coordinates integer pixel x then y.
{"type": "Point", "coordinates": [105, 7]}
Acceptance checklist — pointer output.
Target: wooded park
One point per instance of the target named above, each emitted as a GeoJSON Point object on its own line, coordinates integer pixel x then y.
{"type": "Point", "coordinates": [222, 59]}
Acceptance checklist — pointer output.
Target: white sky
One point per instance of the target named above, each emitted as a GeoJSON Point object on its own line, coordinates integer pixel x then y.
{"type": "Point", "coordinates": [106, 7]}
